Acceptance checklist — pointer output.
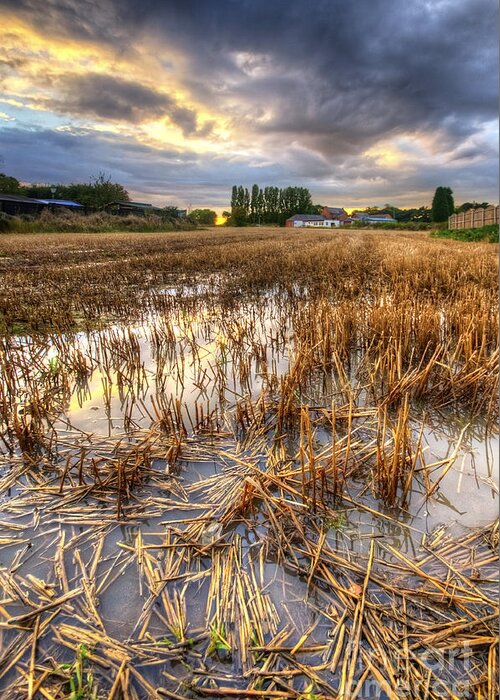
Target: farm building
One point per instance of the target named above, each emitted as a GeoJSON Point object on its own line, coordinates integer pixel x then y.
{"type": "Point", "coordinates": [143, 209]}
{"type": "Point", "coordinates": [373, 219]}
{"type": "Point", "coordinates": [316, 220]}
{"type": "Point", "coordinates": [380, 220]}
{"type": "Point", "coordinates": [137, 208]}
{"type": "Point", "coordinates": [336, 214]}
{"type": "Point", "coordinates": [15, 205]}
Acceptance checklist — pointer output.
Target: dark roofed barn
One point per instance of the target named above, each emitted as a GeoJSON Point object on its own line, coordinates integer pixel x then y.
{"type": "Point", "coordinates": [16, 205]}
{"type": "Point", "coordinates": [137, 208]}
{"type": "Point", "coordinates": [143, 209]}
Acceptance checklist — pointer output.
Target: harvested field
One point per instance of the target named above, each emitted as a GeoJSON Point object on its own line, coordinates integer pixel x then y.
{"type": "Point", "coordinates": [248, 463]}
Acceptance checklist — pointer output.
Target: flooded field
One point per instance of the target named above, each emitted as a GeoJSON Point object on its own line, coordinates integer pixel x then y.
{"type": "Point", "coordinates": [252, 464]}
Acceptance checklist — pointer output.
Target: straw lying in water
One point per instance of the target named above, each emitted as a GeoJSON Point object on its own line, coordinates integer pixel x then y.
{"type": "Point", "coordinates": [191, 539]}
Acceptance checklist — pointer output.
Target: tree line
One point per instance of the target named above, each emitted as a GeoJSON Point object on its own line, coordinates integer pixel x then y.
{"type": "Point", "coordinates": [274, 205]}
{"type": "Point", "coordinates": [259, 205]}
{"type": "Point", "coordinates": [94, 194]}
{"type": "Point", "coordinates": [413, 214]}
{"type": "Point", "coordinates": [268, 205]}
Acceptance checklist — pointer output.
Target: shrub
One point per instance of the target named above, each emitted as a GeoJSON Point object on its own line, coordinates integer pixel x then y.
{"type": "Point", "coordinates": [395, 226]}
{"type": "Point", "coordinates": [474, 235]}
{"type": "Point", "coordinates": [5, 223]}
{"type": "Point", "coordinates": [100, 222]}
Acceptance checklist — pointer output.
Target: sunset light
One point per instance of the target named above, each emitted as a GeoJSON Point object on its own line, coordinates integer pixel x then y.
{"type": "Point", "coordinates": [178, 109]}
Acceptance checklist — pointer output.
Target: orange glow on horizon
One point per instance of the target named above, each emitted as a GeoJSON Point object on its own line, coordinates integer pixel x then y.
{"type": "Point", "coordinates": [220, 220]}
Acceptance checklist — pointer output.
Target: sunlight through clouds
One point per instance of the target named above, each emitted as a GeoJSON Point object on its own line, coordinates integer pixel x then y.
{"type": "Point", "coordinates": [265, 92]}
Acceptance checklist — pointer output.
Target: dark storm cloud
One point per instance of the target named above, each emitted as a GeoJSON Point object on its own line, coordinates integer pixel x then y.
{"type": "Point", "coordinates": [115, 99]}
{"type": "Point", "coordinates": [333, 74]}
{"type": "Point", "coordinates": [90, 20]}
{"type": "Point", "coordinates": [166, 175]}
{"type": "Point", "coordinates": [307, 86]}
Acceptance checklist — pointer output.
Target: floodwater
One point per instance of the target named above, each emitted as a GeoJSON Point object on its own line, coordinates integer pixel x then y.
{"type": "Point", "coordinates": [467, 495]}
{"type": "Point", "coordinates": [201, 368]}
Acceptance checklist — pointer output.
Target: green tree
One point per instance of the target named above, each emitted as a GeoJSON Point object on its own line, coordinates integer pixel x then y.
{"type": "Point", "coordinates": [372, 211]}
{"type": "Point", "coordinates": [420, 214]}
{"type": "Point", "coordinates": [40, 191]}
{"type": "Point", "coordinates": [205, 217]}
{"type": "Point", "coordinates": [246, 201]}
{"type": "Point", "coordinates": [450, 200]}
{"type": "Point", "coordinates": [261, 206]}
{"type": "Point", "coordinates": [442, 204]}
{"type": "Point", "coordinates": [9, 184]}
{"type": "Point", "coordinates": [239, 217]}
{"type": "Point", "coordinates": [269, 205]}
{"type": "Point", "coordinates": [234, 196]}
{"type": "Point", "coordinates": [471, 205]}
{"type": "Point", "coordinates": [95, 194]}
{"type": "Point", "coordinates": [254, 202]}
{"type": "Point", "coordinates": [240, 197]}
{"type": "Point", "coordinates": [99, 192]}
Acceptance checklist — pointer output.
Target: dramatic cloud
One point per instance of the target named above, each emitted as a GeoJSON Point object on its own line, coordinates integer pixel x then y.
{"type": "Point", "coordinates": [165, 175]}
{"type": "Point", "coordinates": [109, 98]}
{"type": "Point", "coordinates": [371, 101]}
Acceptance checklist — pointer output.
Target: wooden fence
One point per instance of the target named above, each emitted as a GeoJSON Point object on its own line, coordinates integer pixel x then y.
{"type": "Point", "coordinates": [474, 218]}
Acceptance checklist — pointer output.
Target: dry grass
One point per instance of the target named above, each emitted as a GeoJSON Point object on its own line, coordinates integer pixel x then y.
{"type": "Point", "coordinates": [66, 280]}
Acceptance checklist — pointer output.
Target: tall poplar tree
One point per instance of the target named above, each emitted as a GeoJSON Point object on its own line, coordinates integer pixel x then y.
{"type": "Point", "coordinates": [442, 204]}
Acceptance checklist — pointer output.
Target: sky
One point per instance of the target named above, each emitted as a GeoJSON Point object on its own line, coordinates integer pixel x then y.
{"type": "Point", "coordinates": [362, 101]}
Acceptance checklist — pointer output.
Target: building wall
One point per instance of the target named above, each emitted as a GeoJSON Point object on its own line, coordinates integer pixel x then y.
{"type": "Point", "coordinates": [20, 208]}
{"type": "Point", "coordinates": [329, 223]}
{"type": "Point", "coordinates": [327, 214]}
